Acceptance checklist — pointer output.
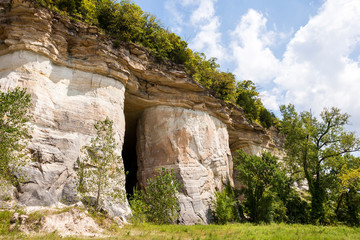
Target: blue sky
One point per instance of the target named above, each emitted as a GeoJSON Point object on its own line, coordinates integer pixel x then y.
{"type": "Point", "coordinates": [305, 52]}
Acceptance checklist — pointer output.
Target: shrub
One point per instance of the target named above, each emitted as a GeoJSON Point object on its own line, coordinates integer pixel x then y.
{"type": "Point", "coordinates": [158, 202]}
{"type": "Point", "coordinates": [225, 206]}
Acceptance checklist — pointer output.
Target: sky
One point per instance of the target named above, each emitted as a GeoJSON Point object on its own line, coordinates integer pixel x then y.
{"type": "Point", "coordinates": [304, 52]}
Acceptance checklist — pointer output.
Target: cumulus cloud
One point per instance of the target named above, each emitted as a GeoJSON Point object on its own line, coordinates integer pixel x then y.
{"type": "Point", "coordinates": [208, 37]}
{"type": "Point", "coordinates": [250, 49]}
{"type": "Point", "coordinates": [316, 69]}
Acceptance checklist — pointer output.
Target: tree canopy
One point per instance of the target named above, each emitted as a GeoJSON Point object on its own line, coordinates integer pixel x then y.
{"type": "Point", "coordinates": [317, 150]}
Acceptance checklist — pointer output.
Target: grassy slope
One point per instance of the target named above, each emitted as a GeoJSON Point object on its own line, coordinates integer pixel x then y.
{"type": "Point", "coordinates": [230, 231]}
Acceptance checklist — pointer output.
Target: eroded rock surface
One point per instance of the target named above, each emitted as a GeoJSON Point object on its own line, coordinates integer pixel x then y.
{"type": "Point", "coordinates": [192, 143]}
{"type": "Point", "coordinates": [76, 77]}
{"type": "Point", "coordinates": [66, 104]}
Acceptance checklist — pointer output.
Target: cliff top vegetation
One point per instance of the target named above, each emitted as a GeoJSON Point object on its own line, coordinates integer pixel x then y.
{"type": "Point", "coordinates": [127, 22]}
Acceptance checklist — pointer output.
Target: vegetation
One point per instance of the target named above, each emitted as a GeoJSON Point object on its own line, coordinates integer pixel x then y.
{"type": "Point", "coordinates": [319, 152]}
{"type": "Point", "coordinates": [14, 130]}
{"type": "Point", "coordinates": [264, 181]}
{"type": "Point", "coordinates": [230, 231]}
{"type": "Point", "coordinates": [158, 202]}
{"type": "Point", "coordinates": [125, 21]}
{"type": "Point", "coordinates": [100, 167]}
{"type": "Point", "coordinates": [226, 206]}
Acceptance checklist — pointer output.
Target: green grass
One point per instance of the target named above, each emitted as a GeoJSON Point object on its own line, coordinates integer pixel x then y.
{"type": "Point", "coordinates": [230, 231]}
{"type": "Point", "coordinates": [160, 232]}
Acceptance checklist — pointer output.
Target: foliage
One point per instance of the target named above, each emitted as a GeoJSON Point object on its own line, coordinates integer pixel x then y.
{"type": "Point", "coordinates": [100, 167]}
{"type": "Point", "coordinates": [158, 202]}
{"type": "Point", "coordinates": [317, 151]}
{"type": "Point", "coordinates": [263, 180]}
{"type": "Point", "coordinates": [125, 21]}
{"type": "Point", "coordinates": [207, 73]}
{"type": "Point", "coordinates": [14, 128]}
{"type": "Point", "coordinates": [247, 96]}
{"type": "Point", "coordinates": [225, 206]}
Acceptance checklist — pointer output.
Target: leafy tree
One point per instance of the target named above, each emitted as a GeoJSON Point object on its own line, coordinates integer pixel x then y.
{"type": "Point", "coordinates": [247, 97]}
{"type": "Point", "coordinates": [263, 179]}
{"type": "Point", "coordinates": [100, 167]}
{"type": "Point", "coordinates": [314, 150]}
{"type": "Point", "coordinates": [158, 202]}
{"type": "Point", "coordinates": [14, 129]}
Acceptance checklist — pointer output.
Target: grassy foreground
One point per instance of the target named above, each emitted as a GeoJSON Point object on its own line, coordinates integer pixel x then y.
{"type": "Point", "coordinates": [230, 231]}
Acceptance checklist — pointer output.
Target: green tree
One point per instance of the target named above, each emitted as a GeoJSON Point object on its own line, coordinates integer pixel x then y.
{"type": "Point", "coordinates": [14, 131]}
{"type": "Point", "coordinates": [101, 173]}
{"type": "Point", "coordinates": [263, 178]}
{"type": "Point", "coordinates": [314, 150]}
{"type": "Point", "coordinates": [247, 97]}
{"type": "Point", "coordinates": [158, 202]}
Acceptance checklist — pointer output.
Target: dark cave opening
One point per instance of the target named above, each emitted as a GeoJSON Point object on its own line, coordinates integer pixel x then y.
{"type": "Point", "coordinates": [132, 110]}
{"type": "Point", "coordinates": [130, 160]}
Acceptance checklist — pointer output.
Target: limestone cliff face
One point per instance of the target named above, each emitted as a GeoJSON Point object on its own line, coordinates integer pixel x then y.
{"type": "Point", "coordinates": [76, 77]}
{"type": "Point", "coordinates": [195, 145]}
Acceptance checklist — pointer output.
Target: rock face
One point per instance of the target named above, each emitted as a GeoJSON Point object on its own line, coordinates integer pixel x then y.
{"type": "Point", "coordinates": [66, 104]}
{"type": "Point", "coordinates": [192, 143]}
{"type": "Point", "coordinates": [76, 77]}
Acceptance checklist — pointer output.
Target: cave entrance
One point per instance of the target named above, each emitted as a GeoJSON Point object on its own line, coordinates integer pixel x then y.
{"type": "Point", "coordinates": [132, 111]}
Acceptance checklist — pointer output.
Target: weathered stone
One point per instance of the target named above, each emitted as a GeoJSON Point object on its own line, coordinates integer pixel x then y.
{"type": "Point", "coordinates": [195, 145]}
{"type": "Point", "coordinates": [76, 77]}
{"type": "Point", "coordinates": [66, 104]}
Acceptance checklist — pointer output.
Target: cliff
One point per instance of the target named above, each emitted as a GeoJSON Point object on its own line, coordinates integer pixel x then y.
{"type": "Point", "coordinates": [162, 118]}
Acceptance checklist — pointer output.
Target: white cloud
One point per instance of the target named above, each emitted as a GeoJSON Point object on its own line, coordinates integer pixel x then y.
{"type": "Point", "coordinates": [208, 37]}
{"type": "Point", "coordinates": [250, 49]}
{"type": "Point", "coordinates": [204, 12]}
{"type": "Point", "coordinates": [316, 70]}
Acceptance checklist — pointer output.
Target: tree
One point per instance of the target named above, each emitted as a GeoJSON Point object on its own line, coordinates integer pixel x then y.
{"type": "Point", "coordinates": [247, 97]}
{"type": "Point", "coordinates": [100, 167]}
{"type": "Point", "coordinates": [158, 202]}
{"type": "Point", "coordinates": [263, 179]}
{"type": "Point", "coordinates": [314, 150]}
{"type": "Point", "coordinates": [14, 131]}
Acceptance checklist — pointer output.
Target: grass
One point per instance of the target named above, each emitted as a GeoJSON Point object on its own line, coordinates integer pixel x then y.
{"type": "Point", "coordinates": [196, 232]}
{"type": "Point", "coordinates": [230, 231]}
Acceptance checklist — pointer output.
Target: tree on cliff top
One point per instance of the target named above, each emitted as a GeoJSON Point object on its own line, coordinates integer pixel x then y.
{"type": "Point", "coordinates": [14, 131]}
{"type": "Point", "coordinates": [317, 151]}
{"type": "Point", "coordinates": [101, 173]}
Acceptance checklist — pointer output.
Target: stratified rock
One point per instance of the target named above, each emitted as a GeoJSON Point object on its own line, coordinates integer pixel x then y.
{"type": "Point", "coordinates": [66, 104]}
{"type": "Point", "coordinates": [76, 77]}
{"type": "Point", "coordinates": [192, 143]}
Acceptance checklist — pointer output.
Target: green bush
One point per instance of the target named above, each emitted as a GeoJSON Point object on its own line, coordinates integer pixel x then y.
{"type": "Point", "coordinates": [225, 206]}
{"type": "Point", "coordinates": [158, 202]}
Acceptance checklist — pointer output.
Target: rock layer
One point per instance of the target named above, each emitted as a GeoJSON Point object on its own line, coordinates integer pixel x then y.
{"type": "Point", "coordinates": [76, 76]}
{"type": "Point", "coordinates": [66, 104]}
{"type": "Point", "coordinates": [192, 143]}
